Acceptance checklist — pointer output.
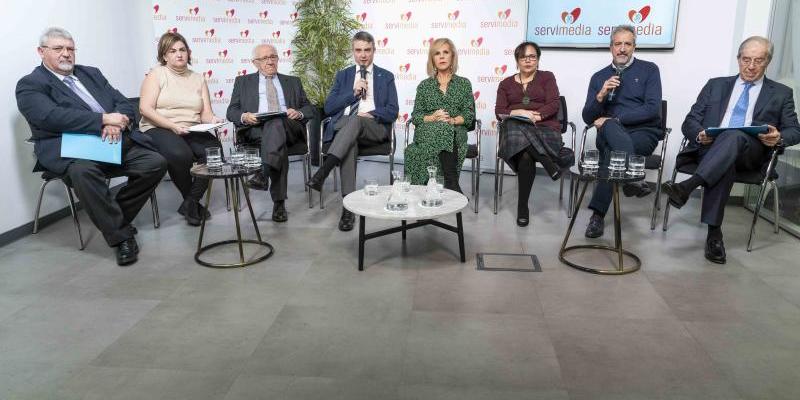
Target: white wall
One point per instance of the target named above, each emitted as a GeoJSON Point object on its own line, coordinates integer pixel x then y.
{"type": "Point", "coordinates": [112, 35]}
{"type": "Point", "coordinates": [117, 37]}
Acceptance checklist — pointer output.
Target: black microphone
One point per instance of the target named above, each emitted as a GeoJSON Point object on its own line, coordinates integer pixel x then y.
{"type": "Point", "coordinates": [618, 74]}
{"type": "Point", "coordinates": [363, 73]}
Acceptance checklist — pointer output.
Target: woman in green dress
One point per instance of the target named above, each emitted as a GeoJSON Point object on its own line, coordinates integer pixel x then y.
{"type": "Point", "coordinates": [444, 111]}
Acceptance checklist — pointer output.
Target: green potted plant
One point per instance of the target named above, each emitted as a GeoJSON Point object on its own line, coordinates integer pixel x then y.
{"type": "Point", "coordinates": [321, 48]}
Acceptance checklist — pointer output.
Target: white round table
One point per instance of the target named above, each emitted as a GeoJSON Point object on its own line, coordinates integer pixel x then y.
{"type": "Point", "coordinates": [375, 207]}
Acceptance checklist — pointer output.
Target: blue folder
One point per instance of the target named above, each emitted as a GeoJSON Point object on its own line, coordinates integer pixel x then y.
{"type": "Point", "coordinates": [89, 146]}
{"type": "Point", "coordinates": [750, 130]}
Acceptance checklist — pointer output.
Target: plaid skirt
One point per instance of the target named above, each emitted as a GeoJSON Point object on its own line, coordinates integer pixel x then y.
{"type": "Point", "coordinates": [517, 135]}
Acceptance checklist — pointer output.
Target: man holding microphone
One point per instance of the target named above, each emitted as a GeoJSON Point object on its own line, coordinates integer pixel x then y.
{"type": "Point", "coordinates": [363, 106]}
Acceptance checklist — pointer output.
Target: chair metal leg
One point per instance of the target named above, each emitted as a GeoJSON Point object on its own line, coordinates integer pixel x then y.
{"type": "Point", "coordinates": [561, 189]}
{"type": "Point", "coordinates": [74, 212]}
{"type": "Point", "coordinates": [154, 207]}
{"type": "Point", "coordinates": [306, 178]}
{"type": "Point", "coordinates": [496, 183]}
{"type": "Point", "coordinates": [759, 202]}
{"type": "Point", "coordinates": [666, 206]}
{"type": "Point", "coordinates": [502, 173]}
{"type": "Point", "coordinates": [777, 207]}
{"type": "Point", "coordinates": [39, 207]}
{"type": "Point", "coordinates": [657, 200]}
{"type": "Point", "coordinates": [477, 174]}
{"type": "Point", "coordinates": [472, 178]}
{"type": "Point", "coordinates": [571, 201]}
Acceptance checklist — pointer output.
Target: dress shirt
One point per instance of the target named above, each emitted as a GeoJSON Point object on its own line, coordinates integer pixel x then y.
{"type": "Point", "coordinates": [367, 104]}
{"type": "Point", "coordinates": [738, 89]}
{"type": "Point", "coordinates": [262, 93]}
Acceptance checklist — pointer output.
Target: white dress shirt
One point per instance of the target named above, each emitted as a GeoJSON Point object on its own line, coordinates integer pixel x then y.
{"type": "Point", "coordinates": [74, 79]}
{"type": "Point", "coordinates": [738, 89]}
{"type": "Point", "coordinates": [367, 104]}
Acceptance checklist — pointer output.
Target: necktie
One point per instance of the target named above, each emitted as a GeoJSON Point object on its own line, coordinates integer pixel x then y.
{"type": "Point", "coordinates": [740, 109]}
{"type": "Point", "coordinates": [86, 97]}
{"type": "Point", "coordinates": [272, 97]}
{"type": "Point", "coordinates": [354, 108]}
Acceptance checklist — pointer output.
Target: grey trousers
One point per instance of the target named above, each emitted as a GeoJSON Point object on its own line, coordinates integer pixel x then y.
{"type": "Point", "coordinates": [275, 136]}
{"type": "Point", "coordinates": [350, 131]}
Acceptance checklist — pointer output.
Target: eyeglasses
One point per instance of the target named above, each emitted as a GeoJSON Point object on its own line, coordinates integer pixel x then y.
{"type": "Point", "coordinates": [59, 49]}
{"type": "Point", "coordinates": [529, 57]}
{"type": "Point", "coordinates": [758, 62]}
{"type": "Point", "coordinates": [264, 59]}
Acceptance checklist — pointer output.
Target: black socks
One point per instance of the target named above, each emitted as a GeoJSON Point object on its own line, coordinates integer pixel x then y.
{"type": "Point", "coordinates": [714, 233]}
{"type": "Point", "coordinates": [690, 184]}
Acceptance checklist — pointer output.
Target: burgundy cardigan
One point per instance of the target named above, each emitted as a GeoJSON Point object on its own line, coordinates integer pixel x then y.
{"type": "Point", "coordinates": [543, 94]}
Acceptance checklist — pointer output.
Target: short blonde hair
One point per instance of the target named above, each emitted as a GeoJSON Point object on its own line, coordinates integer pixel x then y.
{"type": "Point", "coordinates": [453, 58]}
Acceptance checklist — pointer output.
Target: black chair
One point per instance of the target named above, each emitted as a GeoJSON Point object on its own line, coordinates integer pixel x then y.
{"type": "Point", "coordinates": [382, 149]}
{"type": "Point", "coordinates": [766, 175]}
{"type": "Point", "coordinates": [473, 154]}
{"type": "Point", "coordinates": [298, 149]}
{"type": "Point", "coordinates": [653, 161]}
{"type": "Point", "coordinates": [499, 164]}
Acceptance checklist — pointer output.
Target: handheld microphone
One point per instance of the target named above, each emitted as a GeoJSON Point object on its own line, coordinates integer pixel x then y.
{"type": "Point", "coordinates": [363, 73]}
{"type": "Point", "coordinates": [618, 74]}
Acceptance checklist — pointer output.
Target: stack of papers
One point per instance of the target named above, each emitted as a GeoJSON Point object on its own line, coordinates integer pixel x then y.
{"type": "Point", "coordinates": [90, 146]}
{"type": "Point", "coordinates": [205, 127]}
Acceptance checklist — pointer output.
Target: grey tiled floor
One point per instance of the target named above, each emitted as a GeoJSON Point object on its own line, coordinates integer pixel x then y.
{"type": "Point", "coordinates": [416, 324]}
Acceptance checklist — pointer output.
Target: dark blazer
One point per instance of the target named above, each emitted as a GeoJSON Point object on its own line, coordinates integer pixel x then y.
{"type": "Point", "coordinates": [774, 106]}
{"type": "Point", "coordinates": [245, 98]}
{"type": "Point", "coordinates": [341, 96]}
{"type": "Point", "coordinates": [51, 108]}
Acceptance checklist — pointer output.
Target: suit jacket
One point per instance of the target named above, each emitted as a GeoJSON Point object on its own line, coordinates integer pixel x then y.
{"type": "Point", "coordinates": [51, 108]}
{"type": "Point", "coordinates": [245, 98]}
{"type": "Point", "coordinates": [341, 96]}
{"type": "Point", "coordinates": [774, 106]}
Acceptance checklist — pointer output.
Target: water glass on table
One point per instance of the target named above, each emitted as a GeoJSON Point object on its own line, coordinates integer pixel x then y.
{"type": "Point", "coordinates": [213, 158]}
{"type": "Point", "coordinates": [636, 165]}
{"type": "Point", "coordinates": [617, 160]}
{"type": "Point", "coordinates": [252, 159]}
{"type": "Point", "coordinates": [591, 160]}
{"type": "Point", "coordinates": [237, 156]}
{"type": "Point", "coordinates": [371, 187]}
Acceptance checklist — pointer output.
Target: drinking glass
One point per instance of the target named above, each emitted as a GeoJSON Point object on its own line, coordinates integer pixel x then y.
{"type": "Point", "coordinates": [591, 159]}
{"type": "Point", "coordinates": [213, 157]}
{"type": "Point", "coordinates": [635, 164]}
{"type": "Point", "coordinates": [251, 157]}
{"type": "Point", "coordinates": [371, 187]}
{"type": "Point", "coordinates": [617, 160]}
{"type": "Point", "coordinates": [237, 155]}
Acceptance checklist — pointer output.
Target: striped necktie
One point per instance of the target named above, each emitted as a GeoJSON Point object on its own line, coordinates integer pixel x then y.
{"type": "Point", "coordinates": [86, 97]}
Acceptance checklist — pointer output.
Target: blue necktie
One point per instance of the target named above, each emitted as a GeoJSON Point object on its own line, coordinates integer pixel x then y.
{"type": "Point", "coordinates": [86, 97]}
{"type": "Point", "coordinates": [740, 109]}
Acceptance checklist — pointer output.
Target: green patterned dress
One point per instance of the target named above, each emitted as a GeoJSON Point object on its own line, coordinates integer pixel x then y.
{"type": "Point", "coordinates": [431, 138]}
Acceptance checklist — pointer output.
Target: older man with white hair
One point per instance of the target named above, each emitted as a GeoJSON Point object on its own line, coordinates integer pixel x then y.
{"type": "Point", "coordinates": [268, 91]}
{"type": "Point", "coordinates": [60, 96]}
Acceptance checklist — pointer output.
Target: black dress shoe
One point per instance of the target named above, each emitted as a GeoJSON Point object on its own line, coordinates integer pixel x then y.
{"type": "Point", "coordinates": [675, 193]}
{"type": "Point", "coordinates": [190, 209]}
{"type": "Point", "coordinates": [595, 227]}
{"type": "Point", "coordinates": [638, 189]}
{"type": "Point", "coordinates": [346, 221]}
{"type": "Point", "coordinates": [523, 217]}
{"type": "Point", "coordinates": [279, 213]}
{"type": "Point", "coordinates": [316, 182]}
{"type": "Point", "coordinates": [715, 251]}
{"type": "Point", "coordinates": [258, 182]}
{"type": "Point", "coordinates": [127, 252]}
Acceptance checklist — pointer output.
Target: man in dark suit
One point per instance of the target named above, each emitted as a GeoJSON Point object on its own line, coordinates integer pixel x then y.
{"type": "Point", "coordinates": [269, 91]}
{"type": "Point", "coordinates": [747, 99]}
{"type": "Point", "coordinates": [59, 96]}
{"type": "Point", "coordinates": [362, 110]}
{"type": "Point", "coordinates": [624, 104]}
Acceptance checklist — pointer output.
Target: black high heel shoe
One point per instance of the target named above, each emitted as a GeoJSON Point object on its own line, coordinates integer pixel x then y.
{"type": "Point", "coordinates": [523, 217]}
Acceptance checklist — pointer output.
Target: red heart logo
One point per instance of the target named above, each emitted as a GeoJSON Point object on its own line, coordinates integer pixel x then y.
{"type": "Point", "coordinates": [576, 13]}
{"type": "Point", "coordinates": [155, 9]}
{"type": "Point", "coordinates": [219, 94]}
{"type": "Point", "coordinates": [232, 12]}
{"type": "Point", "coordinates": [263, 14]}
{"type": "Point", "coordinates": [276, 34]}
{"type": "Point", "coordinates": [504, 68]}
{"type": "Point", "coordinates": [196, 10]}
{"type": "Point", "coordinates": [645, 11]}
{"type": "Point", "coordinates": [245, 33]}
{"type": "Point", "coordinates": [212, 31]}
{"type": "Point", "coordinates": [508, 12]}
{"type": "Point", "coordinates": [288, 52]}
{"type": "Point", "coordinates": [476, 95]}
{"type": "Point", "coordinates": [406, 16]}
{"type": "Point", "coordinates": [405, 117]}
{"type": "Point", "coordinates": [225, 132]}
{"type": "Point", "coordinates": [209, 73]}
{"type": "Point", "coordinates": [407, 67]}
{"type": "Point", "coordinates": [480, 41]}
{"type": "Point", "coordinates": [173, 30]}
{"type": "Point", "coordinates": [293, 16]}
{"type": "Point", "coordinates": [385, 40]}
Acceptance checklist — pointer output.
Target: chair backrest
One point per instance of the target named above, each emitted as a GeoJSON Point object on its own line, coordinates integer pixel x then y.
{"type": "Point", "coordinates": [137, 116]}
{"type": "Point", "coordinates": [663, 116]}
{"type": "Point", "coordinates": [563, 115]}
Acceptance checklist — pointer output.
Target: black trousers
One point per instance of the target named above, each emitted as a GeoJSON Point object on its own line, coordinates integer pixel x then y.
{"type": "Point", "coordinates": [181, 151]}
{"type": "Point", "coordinates": [612, 136]}
{"type": "Point", "coordinates": [731, 150]}
{"type": "Point", "coordinates": [113, 215]}
{"type": "Point", "coordinates": [449, 162]}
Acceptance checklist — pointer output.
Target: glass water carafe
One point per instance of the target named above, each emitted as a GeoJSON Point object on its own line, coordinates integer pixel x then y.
{"type": "Point", "coordinates": [398, 199]}
{"type": "Point", "coordinates": [433, 197]}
